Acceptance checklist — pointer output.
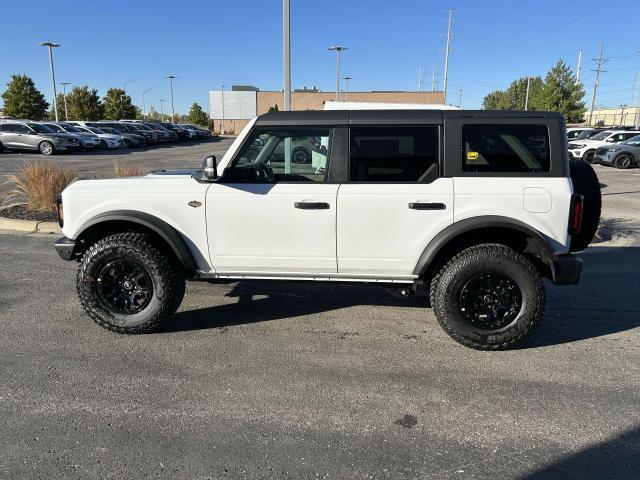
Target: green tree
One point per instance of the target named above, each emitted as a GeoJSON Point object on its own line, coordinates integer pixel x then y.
{"type": "Point", "coordinates": [514, 97]}
{"type": "Point", "coordinates": [23, 100]}
{"type": "Point", "coordinates": [197, 115]}
{"type": "Point", "coordinates": [563, 93]}
{"type": "Point", "coordinates": [84, 103]}
{"type": "Point", "coordinates": [117, 104]}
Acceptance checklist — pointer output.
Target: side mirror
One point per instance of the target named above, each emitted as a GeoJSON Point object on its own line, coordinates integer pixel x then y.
{"type": "Point", "coordinates": [209, 169]}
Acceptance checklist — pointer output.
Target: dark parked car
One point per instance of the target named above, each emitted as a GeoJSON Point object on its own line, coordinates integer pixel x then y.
{"type": "Point", "coordinates": [620, 155]}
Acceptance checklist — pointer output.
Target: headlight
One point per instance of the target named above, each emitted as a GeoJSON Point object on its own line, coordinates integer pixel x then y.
{"type": "Point", "coordinates": [611, 150]}
{"type": "Point", "coordinates": [577, 145]}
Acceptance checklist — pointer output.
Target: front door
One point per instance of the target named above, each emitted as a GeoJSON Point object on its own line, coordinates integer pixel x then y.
{"type": "Point", "coordinates": [395, 202]}
{"type": "Point", "coordinates": [273, 211]}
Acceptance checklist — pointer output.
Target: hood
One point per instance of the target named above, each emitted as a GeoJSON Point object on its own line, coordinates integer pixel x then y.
{"type": "Point", "coordinates": [172, 173]}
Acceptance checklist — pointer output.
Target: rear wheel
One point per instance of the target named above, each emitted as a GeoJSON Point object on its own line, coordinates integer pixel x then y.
{"type": "Point", "coordinates": [300, 156]}
{"type": "Point", "coordinates": [623, 161]}
{"type": "Point", "coordinates": [488, 297]}
{"type": "Point", "coordinates": [46, 148]}
{"type": "Point", "coordinates": [128, 285]}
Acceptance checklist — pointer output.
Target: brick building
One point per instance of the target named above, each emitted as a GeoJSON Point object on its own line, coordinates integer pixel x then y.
{"type": "Point", "coordinates": [238, 105]}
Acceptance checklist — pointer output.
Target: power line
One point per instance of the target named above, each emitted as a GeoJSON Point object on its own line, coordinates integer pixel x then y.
{"type": "Point", "coordinates": [446, 59]}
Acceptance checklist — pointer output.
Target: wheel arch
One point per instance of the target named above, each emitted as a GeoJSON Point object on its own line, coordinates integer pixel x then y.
{"type": "Point", "coordinates": [108, 223]}
{"type": "Point", "coordinates": [485, 229]}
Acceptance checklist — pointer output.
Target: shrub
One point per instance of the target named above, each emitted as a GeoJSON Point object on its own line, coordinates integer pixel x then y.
{"type": "Point", "coordinates": [122, 170]}
{"type": "Point", "coordinates": [39, 184]}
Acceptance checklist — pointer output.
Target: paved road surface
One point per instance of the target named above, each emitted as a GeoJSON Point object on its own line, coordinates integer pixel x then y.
{"type": "Point", "coordinates": [270, 380]}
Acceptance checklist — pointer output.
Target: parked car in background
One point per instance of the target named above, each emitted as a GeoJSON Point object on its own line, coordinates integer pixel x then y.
{"type": "Point", "coordinates": [107, 140]}
{"type": "Point", "coordinates": [199, 131]}
{"type": "Point", "coordinates": [182, 132]}
{"type": "Point", "coordinates": [150, 135]}
{"type": "Point", "coordinates": [621, 155]}
{"type": "Point", "coordinates": [574, 132]}
{"type": "Point", "coordinates": [35, 136]}
{"type": "Point", "coordinates": [163, 134]}
{"type": "Point", "coordinates": [130, 139]}
{"type": "Point", "coordinates": [585, 148]}
{"type": "Point", "coordinates": [88, 141]}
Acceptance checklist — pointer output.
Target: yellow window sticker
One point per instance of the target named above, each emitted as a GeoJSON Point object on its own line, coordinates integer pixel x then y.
{"type": "Point", "coordinates": [471, 156]}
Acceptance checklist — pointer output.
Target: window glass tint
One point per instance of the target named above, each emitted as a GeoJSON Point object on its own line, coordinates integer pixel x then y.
{"type": "Point", "coordinates": [282, 156]}
{"type": "Point", "coordinates": [505, 148]}
{"type": "Point", "coordinates": [22, 129]}
{"type": "Point", "coordinates": [7, 128]}
{"type": "Point", "coordinates": [394, 154]}
{"type": "Point", "coordinates": [629, 135]}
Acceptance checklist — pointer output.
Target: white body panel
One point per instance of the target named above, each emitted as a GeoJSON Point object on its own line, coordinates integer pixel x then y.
{"type": "Point", "coordinates": [164, 197]}
{"type": "Point", "coordinates": [377, 231]}
{"type": "Point", "coordinates": [540, 202]}
{"type": "Point", "coordinates": [256, 228]}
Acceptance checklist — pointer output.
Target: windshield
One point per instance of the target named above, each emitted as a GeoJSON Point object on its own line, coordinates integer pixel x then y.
{"type": "Point", "coordinates": [55, 128]}
{"type": "Point", "coordinates": [585, 134]}
{"type": "Point", "coordinates": [601, 135]}
{"type": "Point", "coordinates": [71, 128]}
{"type": "Point", "coordinates": [39, 128]}
{"type": "Point", "coordinates": [94, 130]}
{"type": "Point", "coordinates": [633, 141]}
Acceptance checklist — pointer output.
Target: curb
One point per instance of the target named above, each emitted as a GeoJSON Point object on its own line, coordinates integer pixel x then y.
{"type": "Point", "coordinates": [28, 226]}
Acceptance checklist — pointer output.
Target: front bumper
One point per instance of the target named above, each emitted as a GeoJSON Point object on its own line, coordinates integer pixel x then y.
{"type": "Point", "coordinates": [566, 269]}
{"type": "Point", "coordinates": [576, 154]}
{"type": "Point", "coordinates": [65, 248]}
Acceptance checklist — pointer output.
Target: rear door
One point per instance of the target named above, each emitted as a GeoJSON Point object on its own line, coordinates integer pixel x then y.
{"type": "Point", "coordinates": [395, 201]}
{"type": "Point", "coordinates": [8, 134]}
{"type": "Point", "coordinates": [25, 137]}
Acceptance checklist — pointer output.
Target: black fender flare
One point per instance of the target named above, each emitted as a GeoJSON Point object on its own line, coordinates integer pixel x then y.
{"type": "Point", "coordinates": [160, 227]}
{"type": "Point", "coordinates": [539, 243]}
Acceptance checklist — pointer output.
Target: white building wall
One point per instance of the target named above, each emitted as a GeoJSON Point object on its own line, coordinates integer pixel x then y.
{"type": "Point", "coordinates": [240, 105]}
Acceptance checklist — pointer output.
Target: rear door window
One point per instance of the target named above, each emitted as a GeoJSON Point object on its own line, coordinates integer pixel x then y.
{"type": "Point", "coordinates": [505, 148]}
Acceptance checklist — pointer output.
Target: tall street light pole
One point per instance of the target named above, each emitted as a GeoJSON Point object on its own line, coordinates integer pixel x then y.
{"type": "Point", "coordinates": [144, 108]}
{"type": "Point", "coordinates": [64, 97]}
{"type": "Point", "coordinates": [286, 48]}
{"type": "Point", "coordinates": [162, 100]}
{"type": "Point", "coordinates": [173, 110]}
{"type": "Point", "coordinates": [222, 125]}
{"type": "Point", "coordinates": [51, 46]}
{"type": "Point", "coordinates": [338, 49]}
{"type": "Point", "coordinates": [346, 88]}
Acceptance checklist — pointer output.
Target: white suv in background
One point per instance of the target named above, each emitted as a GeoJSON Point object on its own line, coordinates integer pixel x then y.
{"type": "Point", "coordinates": [479, 216]}
{"type": "Point", "coordinates": [585, 148]}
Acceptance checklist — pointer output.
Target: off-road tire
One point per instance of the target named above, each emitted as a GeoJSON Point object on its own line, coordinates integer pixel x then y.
{"type": "Point", "coordinates": [46, 148]}
{"type": "Point", "coordinates": [623, 161]}
{"type": "Point", "coordinates": [585, 182]}
{"type": "Point", "coordinates": [488, 258]}
{"type": "Point", "coordinates": [167, 277]}
{"type": "Point", "coordinates": [300, 156]}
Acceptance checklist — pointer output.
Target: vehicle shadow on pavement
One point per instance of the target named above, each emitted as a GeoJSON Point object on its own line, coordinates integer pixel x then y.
{"type": "Point", "coordinates": [615, 458]}
{"type": "Point", "coordinates": [264, 301]}
{"type": "Point", "coordinates": [605, 302]}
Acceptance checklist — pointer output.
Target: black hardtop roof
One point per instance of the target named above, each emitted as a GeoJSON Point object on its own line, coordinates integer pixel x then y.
{"type": "Point", "coordinates": [372, 117]}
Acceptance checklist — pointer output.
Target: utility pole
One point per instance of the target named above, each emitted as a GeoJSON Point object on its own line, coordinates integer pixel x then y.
{"type": "Point", "coordinates": [433, 80]}
{"type": "Point", "coordinates": [446, 59]}
{"type": "Point", "coordinates": [599, 62]}
{"type": "Point", "coordinates": [622, 107]}
{"type": "Point", "coordinates": [579, 66]}
{"type": "Point", "coordinates": [51, 46]}
{"type": "Point", "coordinates": [338, 49]}
{"type": "Point", "coordinates": [286, 39]}
{"type": "Point", "coordinates": [421, 79]}
{"type": "Point", "coordinates": [346, 90]}
{"type": "Point", "coordinates": [222, 125]}
{"type": "Point", "coordinates": [64, 97]}
{"type": "Point", "coordinates": [526, 98]}
{"type": "Point", "coordinates": [636, 117]}
{"type": "Point", "coordinates": [173, 110]}
{"type": "Point", "coordinates": [162, 100]}
{"type": "Point", "coordinates": [460, 100]}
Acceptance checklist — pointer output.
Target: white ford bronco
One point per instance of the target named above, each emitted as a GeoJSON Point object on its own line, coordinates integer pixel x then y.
{"type": "Point", "coordinates": [479, 206]}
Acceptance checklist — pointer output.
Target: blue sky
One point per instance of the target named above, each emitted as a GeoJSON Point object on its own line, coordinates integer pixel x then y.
{"type": "Point", "coordinates": [209, 43]}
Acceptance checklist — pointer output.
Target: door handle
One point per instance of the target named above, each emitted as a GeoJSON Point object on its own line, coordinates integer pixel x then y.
{"type": "Point", "coordinates": [427, 206]}
{"type": "Point", "coordinates": [311, 205]}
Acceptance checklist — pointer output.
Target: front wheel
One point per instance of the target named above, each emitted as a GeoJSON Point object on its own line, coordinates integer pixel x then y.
{"type": "Point", "coordinates": [588, 156]}
{"type": "Point", "coordinates": [46, 148]}
{"type": "Point", "coordinates": [128, 285]}
{"type": "Point", "coordinates": [488, 297]}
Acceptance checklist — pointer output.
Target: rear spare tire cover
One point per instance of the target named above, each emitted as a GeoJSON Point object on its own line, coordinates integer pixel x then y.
{"type": "Point", "coordinates": [586, 183]}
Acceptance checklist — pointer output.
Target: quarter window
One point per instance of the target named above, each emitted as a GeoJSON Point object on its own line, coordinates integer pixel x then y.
{"type": "Point", "coordinates": [394, 154]}
{"type": "Point", "coordinates": [505, 148]}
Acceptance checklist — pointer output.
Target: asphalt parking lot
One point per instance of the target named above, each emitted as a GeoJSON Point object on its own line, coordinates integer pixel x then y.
{"type": "Point", "coordinates": [281, 380]}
